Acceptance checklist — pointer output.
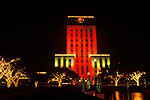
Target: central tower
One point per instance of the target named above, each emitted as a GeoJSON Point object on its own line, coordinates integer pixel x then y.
{"type": "Point", "coordinates": [82, 41]}
{"type": "Point", "coordinates": [81, 48]}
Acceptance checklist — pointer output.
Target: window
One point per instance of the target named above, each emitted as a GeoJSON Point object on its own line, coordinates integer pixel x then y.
{"type": "Point", "coordinates": [71, 30]}
{"type": "Point", "coordinates": [71, 45]}
{"type": "Point", "coordinates": [76, 30]}
{"type": "Point", "coordinates": [59, 62]}
{"type": "Point", "coordinates": [92, 51]}
{"type": "Point", "coordinates": [91, 35]}
{"type": "Point", "coordinates": [81, 45]}
{"type": "Point", "coordinates": [71, 40]}
{"type": "Point", "coordinates": [86, 30]}
{"type": "Point", "coordinates": [86, 35]}
{"type": "Point", "coordinates": [87, 69]}
{"type": "Point", "coordinates": [76, 45]}
{"type": "Point", "coordinates": [91, 31]}
{"type": "Point", "coordinates": [82, 70]}
{"type": "Point", "coordinates": [77, 68]}
{"type": "Point", "coordinates": [64, 63]}
{"type": "Point", "coordinates": [81, 52]}
{"type": "Point", "coordinates": [71, 50]}
{"type": "Point", "coordinates": [87, 61]}
{"type": "Point", "coordinates": [86, 40]}
{"type": "Point", "coordinates": [69, 63]}
{"type": "Point", "coordinates": [100, 62]}
{"type": "Point", "coordinates": [76, 39]}
{"type": "Point", "coordinates": [86, 45]}
{"type": "Point", "coordinates": [76, 35]}
{"type": "Point", "coordinates": [81, 30]}
{"type": "Point", "coordinates": [81, 61]}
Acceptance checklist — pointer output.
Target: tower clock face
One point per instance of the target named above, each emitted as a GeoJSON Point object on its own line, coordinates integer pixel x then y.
{"type": "Point", "coordinates": [80, 20]}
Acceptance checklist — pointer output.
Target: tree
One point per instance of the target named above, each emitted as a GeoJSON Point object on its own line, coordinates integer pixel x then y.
{"type": "Point", "coordinates": [116, 77]}
{"type": "Point", "coordinates": [99, 84]}
{"type": "Point", "coordinates": [88, 86]}
{"type": "Point", "coordinates": [10, 73]}
{"type": "Point", "coordinates": [127, 80]}
{"type": "Point", "coordinates": [61, 74]}
{"type": "Point", "coordinates": [136, 76]}
{"type": "Point", "coordinates": [58, 77]}
{"type": "Point", "coordinates": [83, 84]}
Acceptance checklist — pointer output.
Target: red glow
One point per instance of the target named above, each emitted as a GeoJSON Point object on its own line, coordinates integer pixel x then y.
{"type": "Point", "coordinates": [82, 41]}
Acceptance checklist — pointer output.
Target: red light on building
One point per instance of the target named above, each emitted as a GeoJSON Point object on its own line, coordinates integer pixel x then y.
{"type": "Point", "coordinates": [81, 47]}
{"type": "Point", "coordinates": [82, 41]}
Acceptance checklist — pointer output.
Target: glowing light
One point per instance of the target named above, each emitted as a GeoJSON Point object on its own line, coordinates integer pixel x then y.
{"type": "Point", "coordinates": [80, 20]}
{"type": "Point", "coordinates": [41, 72]}
{"type": "Point", "coordinates": [99, 55]}
{"type": "Point", "coordinates": [137, 96]}
{"type": "Point", "coordinates": [80, 16]}
{"type": "Point", "coordinates": [95, 60]}
{"type": "Point", "coordinates": [63, 55]}
{"type": "Point", "coordinates": [117, 94]}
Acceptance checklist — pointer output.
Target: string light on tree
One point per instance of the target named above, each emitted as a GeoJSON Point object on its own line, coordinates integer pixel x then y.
{"type": "Point", "coordinates": [58, 77]}
{"type": "Point", "coordinates": [116, 78]}
{"type": "Point", "coordinates": [136, 76]}
{"type": "Point", "coordinates": [10, 73]}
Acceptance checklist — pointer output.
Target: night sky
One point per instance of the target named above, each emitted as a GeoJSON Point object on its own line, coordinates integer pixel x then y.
{"type": "Point", "coordinates": [35, 34]}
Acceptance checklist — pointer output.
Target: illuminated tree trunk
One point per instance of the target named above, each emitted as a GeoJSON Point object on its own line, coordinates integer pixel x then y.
{"type": "Point", "coordinates": [137, 82]}
{"type": "Point", "coordinates": [9, 82]}
{"type": "Point", "coordinates": [16, 83]}
{"type": "Point", "coordinates": [116, 82]}
{"type": "Point", "coordinates": [36, 84]}
{"type": "Point", "coordinates": [59, 82]}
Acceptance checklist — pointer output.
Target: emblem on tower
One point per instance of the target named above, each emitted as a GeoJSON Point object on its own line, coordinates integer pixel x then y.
{"type": "Point", "coordinates": [80, 20]}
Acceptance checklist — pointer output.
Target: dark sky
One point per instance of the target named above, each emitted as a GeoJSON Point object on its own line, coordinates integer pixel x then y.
{"type": "Point", "coordinates": [35, 34]}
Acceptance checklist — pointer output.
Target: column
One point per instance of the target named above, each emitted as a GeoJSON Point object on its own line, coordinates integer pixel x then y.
{"type": "Point", "coordinates": [108, 62]}
{"type": "Point", "coordinates": [72, 62]}
{"type": "Point", "coordinates": [61, 62]}
{"type": "Point", "coordinates": [103, 62]}
{"type": "Point", "coordinates": [98, 65]}
{"type": "Point", "coordinates": [93, 64]}
{"type": "Point", "coordinates": [67, 62]}
{"type": "Point", "coordinates": [56, 61]}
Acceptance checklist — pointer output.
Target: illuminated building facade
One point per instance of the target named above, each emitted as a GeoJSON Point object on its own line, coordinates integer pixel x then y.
{"type": "Point", "coordinates": [64, 60]}
{"type": "Point", "coordinates": [82, 46]}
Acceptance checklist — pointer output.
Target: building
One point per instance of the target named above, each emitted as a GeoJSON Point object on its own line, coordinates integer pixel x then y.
{"type": "Point", "coordinates": [81, 48]}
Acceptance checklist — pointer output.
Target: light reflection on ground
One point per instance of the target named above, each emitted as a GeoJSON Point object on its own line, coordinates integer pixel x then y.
{"type": "Point", "coordinates": [117, 95]}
